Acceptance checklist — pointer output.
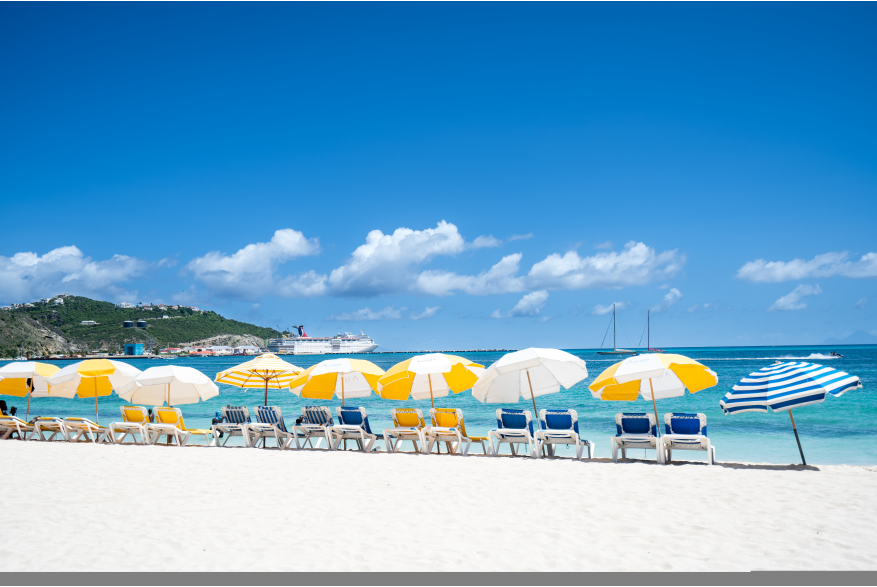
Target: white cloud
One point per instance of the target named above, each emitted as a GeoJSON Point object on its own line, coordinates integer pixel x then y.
{"type": "Point", "coordinates": [826, 265]}
{"type": "Point", "coordinates": [521, 237]}
{"type": "Point", "coordinates": [546, 318]}
{"type": "Point", "coordinates": [485, 242]}
{"type": "Point", "coordinates": [792, 301]}
{"type": "Point", "coordinates": [25, 277]}
{"type": "Point", "coordinates": [673, 296]}
{"type": "Point", "coordinates": [498, 279]}
{"type": "Point", "coordinates": [603, 310]}
{"type": "Point", "coordinates": [637, 264]}
{"type": "Point", "coordinates": [251, 272]}
{"type": "Point", "coordinates": [863, 302]}
{"type": "Point", "coordinates": [496, 314]}
{"type": "Point", "coordinates": [703, 307]}
{"type": "Point", "coordinates": [367, 314]}
{"type": "Point", "coordinates": [603, 245]}
{"type": "Point", "coordinates": [427, 313]}
{"type": "Point", "coordinates": [529, 305]}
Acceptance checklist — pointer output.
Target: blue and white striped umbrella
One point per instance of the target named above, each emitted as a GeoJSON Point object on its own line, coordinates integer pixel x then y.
{"type": "Point", "coordinates": [786, 386]}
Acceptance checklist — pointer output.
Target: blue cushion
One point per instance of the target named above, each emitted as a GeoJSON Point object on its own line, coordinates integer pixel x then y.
{"type": "Point", "coordinates": [558, 421]}
{"type": "Point", "coordinates": [684, 424]}
{"type": "Point", "coordinates": [635, 425]}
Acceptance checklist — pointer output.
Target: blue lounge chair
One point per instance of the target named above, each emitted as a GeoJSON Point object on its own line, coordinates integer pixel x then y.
{"type": "Point", "coordinates": [687, 432]}
{"type": "Point", "coordinates": [315, 423]}
{"type": "Point", "coordinates": [636, 430]}
{"type": "Point", "coordinates": [353, 426]}
{"type": "Point", "coordinates": [560, 427]}
{"type": "Point", "coordinates": [269, 424]}
{"type": "Point", "coordinates": [233, 422]}
{"type": "Point", "coordinates": [512, 427]}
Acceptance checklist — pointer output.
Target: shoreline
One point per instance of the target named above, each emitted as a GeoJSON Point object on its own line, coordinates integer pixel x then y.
{"type": "Point", "coordinates": [244, 509]}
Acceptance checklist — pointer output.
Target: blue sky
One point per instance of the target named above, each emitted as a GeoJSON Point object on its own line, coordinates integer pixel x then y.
{"type": "Point", "coordinates": [449, 175]}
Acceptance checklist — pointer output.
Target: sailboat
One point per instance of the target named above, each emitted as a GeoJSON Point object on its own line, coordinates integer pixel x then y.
{"type": "Point", "coordinates": [615, 350]}
{"type": "Point", "coordinates": [649, 335]}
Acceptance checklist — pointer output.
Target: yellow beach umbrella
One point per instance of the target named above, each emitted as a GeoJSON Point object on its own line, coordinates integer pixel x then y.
{"type": "Point", "coordinates": [342, 377]}
{"type": "Point", "coordinates": [266, 371]}
{"type": "Point", "coordinates": [26, 378]}
{"type": "Point", "coordinates": [652, 376]}
{"type": "Point", "coordinates": [91, 378]}
{"type": "Point", "coordinates": [429, 376]}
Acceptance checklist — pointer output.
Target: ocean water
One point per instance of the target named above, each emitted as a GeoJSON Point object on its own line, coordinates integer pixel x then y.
{"type": "Point", "coordinates": [838, 431]}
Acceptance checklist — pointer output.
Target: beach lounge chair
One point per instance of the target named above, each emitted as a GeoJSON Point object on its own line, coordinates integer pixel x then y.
{"type": "Point", "coordinates": [513, 427]}
{"type": "Point", "coordinates": [169, 423]}
{"type": "Point", "coordinates": [561, 427]}
{"type": "Point", "coordinates": [10, 425]}
{"type": "Point", "coordinates": [236, 419]}
{"type": "Point", "coordinates": [84, 430]}
{"type": "Point", "coordinates": [269, 424]}
{"type": "Point", "coordinates": [686, 432]}
{"type": "Point", "coordinates": [636, 430]}
{"type": "Point", "coordinates": [314, 424]}
{"type": "Point", "coordinates": [408, 425]}
{"type": "Point", "coordinates": [449, 427]}
{"type": "Point", "coordinates": [49, 425]}
{"type": "Point", "coordinates": [135, 420]}
{"type": "Point", "coordinates": [353, 425]}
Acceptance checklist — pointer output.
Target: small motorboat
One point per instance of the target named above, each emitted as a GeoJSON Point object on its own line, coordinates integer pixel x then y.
{"type": "Point", "coordinates": [836, 355]}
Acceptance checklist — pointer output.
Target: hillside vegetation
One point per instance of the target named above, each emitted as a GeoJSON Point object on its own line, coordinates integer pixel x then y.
{"type": "Point", "coordinates": [46, 329]}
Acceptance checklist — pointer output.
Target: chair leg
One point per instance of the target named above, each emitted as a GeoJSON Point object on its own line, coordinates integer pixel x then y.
{"type": "Point", "coordinates": [614, 451]}
{"type": "Point", "coordinates": [580, 447]}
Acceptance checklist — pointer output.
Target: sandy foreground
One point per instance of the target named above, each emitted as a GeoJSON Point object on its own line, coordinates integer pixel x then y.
{"type": "Point", "coordinates": [95, 508]}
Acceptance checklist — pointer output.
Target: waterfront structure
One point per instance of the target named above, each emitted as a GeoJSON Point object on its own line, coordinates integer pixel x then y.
{"type": "Point", "coordinates": [134, 349]}
{"type": "Point", "coordinates": [302, 344]}
{"type": "Point", "coordinates": [88, 323]}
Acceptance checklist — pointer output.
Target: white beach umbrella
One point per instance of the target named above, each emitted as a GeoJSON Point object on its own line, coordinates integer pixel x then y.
{"type": "Point", "coordinates": [528, 373]}
{"type": "Point", "coordinates": [91, 378]}
{"type": "Point", "coordinates": [169, 384]}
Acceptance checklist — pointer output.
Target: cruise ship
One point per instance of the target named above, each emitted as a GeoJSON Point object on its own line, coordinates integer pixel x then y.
{"type": "Point", "coordinates": [340, 344]}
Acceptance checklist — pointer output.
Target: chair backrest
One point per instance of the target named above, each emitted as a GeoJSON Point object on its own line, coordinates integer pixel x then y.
{"type": "Point", "coordinates": [514, 419]}
{"type": "Point", "coordinates": [136, 414]}
{"type": "Point", "coordinates": [270, 415]}
{"type": "Point", "coordinates": [49, 420]}
{"type": "Point", "coordinates": [172, 416]}
{"type": "Point", "coordinates": [236, 414]}
{"type": "Point", "coordinates": [319, 415]}
{"type": "Point", "coordinates": [636, 423]}
{"type": "Point", "coordinates": [352, 416]}
{"type": "Point", "coordinates": [679, 423]}
{"type": "Point", "coordinates": [83, 421]}
{"type": "Point", "coordinates": [446, 417]}
{"type": "Point", "coordinates": [4, 419]}
{"type": "Point", "coordinates": [407, 418]}
{"type": "Point", "coordinates": [559, 420]}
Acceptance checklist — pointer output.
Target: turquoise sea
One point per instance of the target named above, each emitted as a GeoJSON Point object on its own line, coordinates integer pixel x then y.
{"type": "Point", "coordinates": [839, 430]}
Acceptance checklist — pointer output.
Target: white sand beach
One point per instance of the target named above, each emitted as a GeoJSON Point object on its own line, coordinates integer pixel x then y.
{"type": "Point", "coordinates": [145, 508]}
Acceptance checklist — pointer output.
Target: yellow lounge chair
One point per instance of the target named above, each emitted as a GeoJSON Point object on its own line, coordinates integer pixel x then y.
{"type": "Point", "coordinates": [45, 424]}
{"type": "Point", "coordinates": [79, 427]}
{"type": "Point", "coordinates": [10, 425]}
{"type": "Point", "coordinates": [408, 425]}
{"type": "Point", "coordinates": [169, 423]}
{"type": "Point", "coordinates": [448, 427]}
{"type": "Point", "coordinates": [136, 419]}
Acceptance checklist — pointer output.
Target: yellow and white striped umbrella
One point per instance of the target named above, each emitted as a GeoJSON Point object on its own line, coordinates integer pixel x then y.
{"type": "Point", "coordinates": [344, 378]}
{"type": "Point", "coordinates": [429, 376]}
{"type": "Point", "coordinates": [267, 371]}
{"type": "Point", "coordinates": [91, 378]}
{"type": "Point", "coordinates": [26, 378]}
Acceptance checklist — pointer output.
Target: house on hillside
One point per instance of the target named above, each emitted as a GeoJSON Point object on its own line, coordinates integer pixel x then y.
{"type": "Point", "coordinates": [88, 323]}
{"type": "Point", "coordinates": [123, 305]}
{"type": "Point", "coordinates": [58, 302]}
{"type": "Point", "coordinates": [222, 350]}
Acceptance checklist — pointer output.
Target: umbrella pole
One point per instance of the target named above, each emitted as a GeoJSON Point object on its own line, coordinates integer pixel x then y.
{"type": "Point", "coordinates": [27, 414]}
{"type": "Point", "coordinates": [798, 440]}
{"type": "Point", "coordinates": [168, 397]}
{"type": "Point", "coordinates": [438, 445]}
{"type": "Point", "coordinates": [266, 393]}
{"type": "Point", "coordinates": [341, 375]}
{"type": "Point", "coordinates": [655, 407]}
{"type": "Point", "coordinates": [532, 397]}
{"type": "Point", "coordinates": [96, 418]}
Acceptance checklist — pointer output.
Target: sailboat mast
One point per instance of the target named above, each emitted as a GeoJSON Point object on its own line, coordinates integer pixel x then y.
{"type": "Point", "coordinates": [614, 347]}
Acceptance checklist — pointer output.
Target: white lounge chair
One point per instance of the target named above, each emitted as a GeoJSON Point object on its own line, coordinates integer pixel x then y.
{"type": "Point", "coordinates": [315, 424]}
{"type": "Point", "coordinates": [636, 430]}
{"type": "Point", "coordinates": [135, 420]}
{"type": "Point", "coordinates": [10, 425]}
{"type": "Point", "coordinates": [686, 432]}
{"type": "Point", "coordinates": [169, 423]}
{"type": "Point", "coordinates": [49, 425]}
{"type": "Point", "coordinates": [270, 424]}
{"type": "Point", "coordinates": [84, 430]}
{"type": "Point", "coordinates": [513, 427]}
{"type": "Point", "coordinates": [236, 419]}
{"type": "Point", "coordinates": [408, 425]}
{"type": "Point", "coordinates": [561, 427]}
{"type": "Point", "coordinates": [353, 425]}
{"type": "Point", "coordinates": [448, 426]}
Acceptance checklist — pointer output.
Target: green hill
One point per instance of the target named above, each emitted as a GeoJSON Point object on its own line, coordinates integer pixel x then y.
{"type": "Point", "coordinates": [38, 324]}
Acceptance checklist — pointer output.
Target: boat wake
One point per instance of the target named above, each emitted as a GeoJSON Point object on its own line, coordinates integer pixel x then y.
{"type": "Point", "coordinates": [811, 357]}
